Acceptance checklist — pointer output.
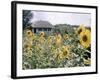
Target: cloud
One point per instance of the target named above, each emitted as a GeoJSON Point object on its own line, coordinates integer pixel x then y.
{"type": "Point", "coordinates": [63, 18]}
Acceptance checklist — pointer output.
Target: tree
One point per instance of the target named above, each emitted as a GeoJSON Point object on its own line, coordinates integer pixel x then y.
{"type": "Point", "coordinates": [27, 16]}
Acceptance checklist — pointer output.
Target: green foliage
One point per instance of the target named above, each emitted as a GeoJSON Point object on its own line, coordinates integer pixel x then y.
{"type": "Point", "coordinates": [45, 54]}
{"type": "Point", "coordinates": [27, 16]}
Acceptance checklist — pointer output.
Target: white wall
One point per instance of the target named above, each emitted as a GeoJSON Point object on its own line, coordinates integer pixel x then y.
{"type": "Point", "coordinates": [5, 37]}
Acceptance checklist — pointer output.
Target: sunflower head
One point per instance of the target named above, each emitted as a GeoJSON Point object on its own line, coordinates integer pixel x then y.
{"type": "Point", "coordinates": [29, 33]}
{"type": "Point", "coordinates": [87, 61]}
{"type": "Point", "coordinates": [59, 36]}
{"type": "Point", "coordinates": [85, 38]}
{"type": "Point", "coordinates": [64, 52]}
{"type": "Point", "coordinates": [42, 34]}
{"type": "Point", "coordinates": [27, 46]}
{"type": "Point", "coordinates": [42, 39]}
{"type": "Point", "coordinates": [80, 29]}
{"type": "Point", "coordinates": [66, 36]}
{"type": "Point", "coordinates": [58, 39]}
{"type": "Point", "coordinates": [50, 39]}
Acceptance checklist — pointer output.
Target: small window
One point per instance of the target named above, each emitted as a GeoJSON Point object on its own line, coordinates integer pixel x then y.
{"type": "Point", "coordinates": [40, 29]}
{"type": "Point", "coordinates": [49, 29]}
{"type": "Point", "coordinates": [44, 29]}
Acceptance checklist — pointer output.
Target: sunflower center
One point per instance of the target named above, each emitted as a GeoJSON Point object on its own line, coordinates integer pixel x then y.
{"type": "Point", "coordinates": [42, 34]}
{"type": "Point", "coordinates": [26, 46]}
{"type": "Point", "coordinates": [28, 32]}
{"type": "Point", "coordinates": [84, 38]}
{"type": "Point", "coordinates": [65, 53]}
{"type": "Point", "coordinates": [79, 31]}
{"type": "Point", "coordinates": [58, 37]}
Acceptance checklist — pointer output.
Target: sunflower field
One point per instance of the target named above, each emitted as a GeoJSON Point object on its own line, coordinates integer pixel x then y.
{"type": "Point", "coordinates": [70, 47]}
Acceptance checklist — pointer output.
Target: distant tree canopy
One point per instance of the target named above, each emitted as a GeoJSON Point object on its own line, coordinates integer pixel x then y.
{"type": "Point", "coordinates": [27, 16]}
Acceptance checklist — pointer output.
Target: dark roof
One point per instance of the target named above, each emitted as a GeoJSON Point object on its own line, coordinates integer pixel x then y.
{"type": "Point", "coordinates": [42, 24]}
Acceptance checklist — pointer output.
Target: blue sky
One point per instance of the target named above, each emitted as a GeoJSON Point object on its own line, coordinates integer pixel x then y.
{"type": "Point", "coordinates": [62, 18]}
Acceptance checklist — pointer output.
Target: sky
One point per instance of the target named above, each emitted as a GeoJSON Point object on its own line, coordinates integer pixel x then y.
{"type": "Point", "coordinates": [62, 18]}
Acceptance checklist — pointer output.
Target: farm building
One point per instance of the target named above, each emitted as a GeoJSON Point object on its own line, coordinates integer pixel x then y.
{"type": "Point", "coordinates": [44, 26]}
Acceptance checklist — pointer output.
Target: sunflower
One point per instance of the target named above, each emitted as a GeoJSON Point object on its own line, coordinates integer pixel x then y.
{"type": "Point", "coordinates": [27, 46]}
{"type": "Point", "coordinates": [29, 33]}
{"type": "Point", "coordinates": [42, 34]}
{"type": "Point", "coordinates": [66, 36]}
{"type": "Point", "coordinates": [38, 47]}
{"type": "Point", "coordinates": [60, 56]}
{"type": "Point", "coordinates": [56, 53]}
{"type": "Point", "coordinates": [42, 39]}
{"type": "Point", "coordinates": [58, 40]}
{"type": "Point", "coordinates": [64, 53]}
{"type": "Point", "coordinates": [80, 29]}
{"type": "Point", "coordinates": [27, 49]}
{"type": "Point", "coordinates": [51, 39]}
{"type": "Point", "coordinates": [87, 61]}
{"type": "Point", "coordinates": [85, 38]}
